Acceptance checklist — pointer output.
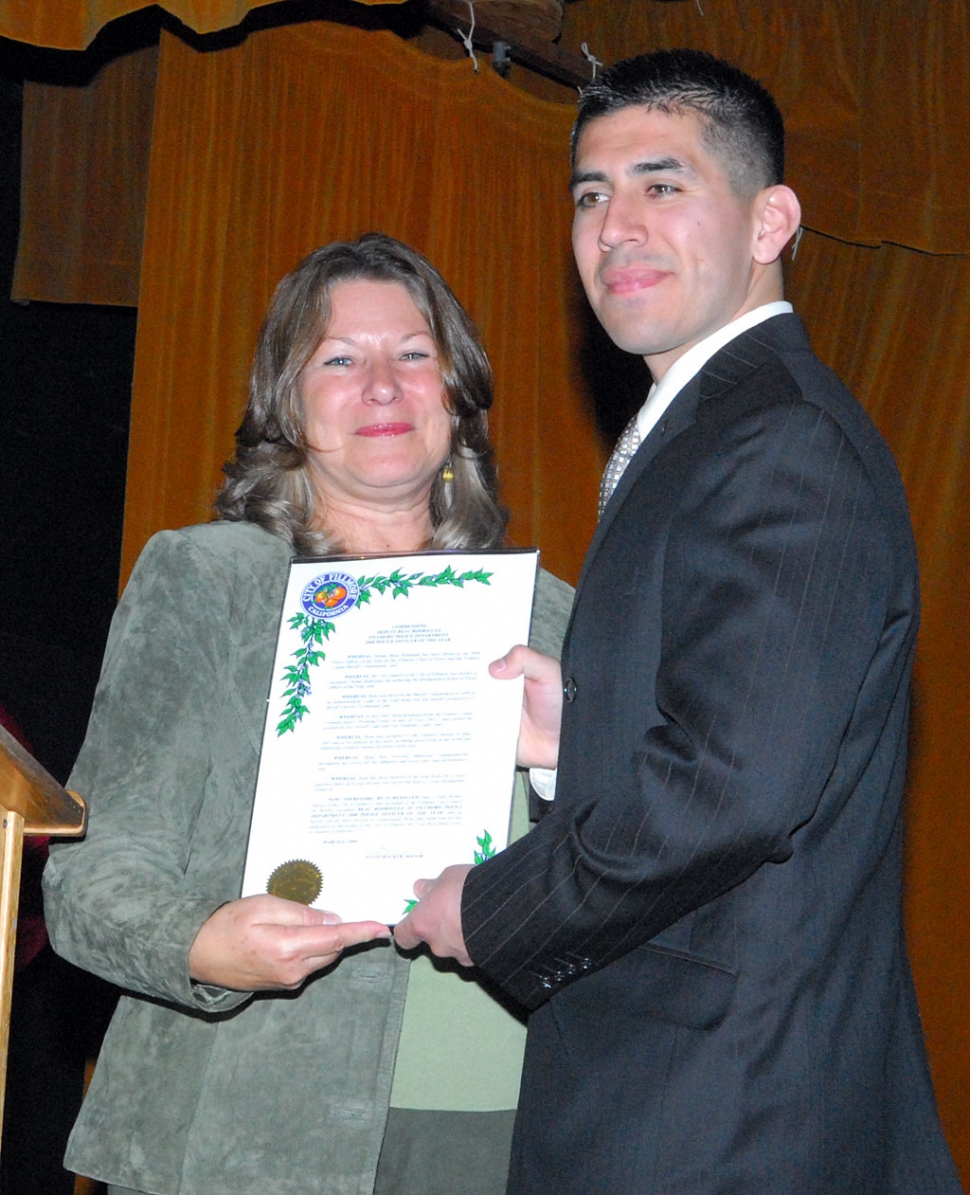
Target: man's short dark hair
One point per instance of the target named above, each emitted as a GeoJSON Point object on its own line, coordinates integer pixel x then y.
{"type": "Point", "coordinates": [742, 126]}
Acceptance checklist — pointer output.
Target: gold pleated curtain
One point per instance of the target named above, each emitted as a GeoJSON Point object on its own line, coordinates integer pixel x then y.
{"type": "Point", "coordinates": [312, 133]}
{"type": "Point", "coordinates": [84, 184]}
{"type": "Point", "coordinates": [876, 97]}
{"type": "Point", "coordinates": [896, 324]}
{"type": "Point", "coordinates": [315, 132]}
{"type": "Point", "coordinates": [309, 133]}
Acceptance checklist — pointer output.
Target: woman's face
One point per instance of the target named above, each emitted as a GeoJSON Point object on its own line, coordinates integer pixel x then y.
{"type": "Point", "coordinates": [373, 401]}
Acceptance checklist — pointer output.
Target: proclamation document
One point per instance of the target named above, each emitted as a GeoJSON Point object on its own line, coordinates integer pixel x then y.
{"type": "Point", "coordinates": [388, 751]}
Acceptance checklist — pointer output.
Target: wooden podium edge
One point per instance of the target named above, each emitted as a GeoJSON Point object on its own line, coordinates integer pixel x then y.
{"type": "Point", "coordinates": [31, 802]}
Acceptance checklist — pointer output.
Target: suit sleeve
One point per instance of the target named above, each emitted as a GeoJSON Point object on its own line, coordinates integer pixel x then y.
{"type": "Point", "coordinates": [768, 586]}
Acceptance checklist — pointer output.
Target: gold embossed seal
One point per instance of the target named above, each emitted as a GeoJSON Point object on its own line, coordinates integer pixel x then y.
{"type": "Point", "coordinates": [296, 880]}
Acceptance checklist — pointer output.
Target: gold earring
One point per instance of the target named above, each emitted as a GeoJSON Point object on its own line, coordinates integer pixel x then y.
{"type": "Point", "coordinates": [447, 473]}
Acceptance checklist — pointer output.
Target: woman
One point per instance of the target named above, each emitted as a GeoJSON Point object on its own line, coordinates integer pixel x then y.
{"type": "Point", "coordinates": [253, 1055]}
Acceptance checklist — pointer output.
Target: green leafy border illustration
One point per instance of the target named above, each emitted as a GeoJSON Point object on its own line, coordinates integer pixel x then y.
{"type": "Point", "coordinates": [314, 631]}
{"type": "Point", "coordinates": [487, 851]}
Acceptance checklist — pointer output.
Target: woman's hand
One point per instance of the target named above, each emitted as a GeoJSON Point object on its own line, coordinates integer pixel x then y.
{"type": "Point", "coordinates": [541, 705]}
{"type": "Point", "coordinates": [264, 942]}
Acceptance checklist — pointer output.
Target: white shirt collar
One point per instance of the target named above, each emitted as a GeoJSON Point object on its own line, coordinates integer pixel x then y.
{"type": "Point", "coordinates": [663, 393]}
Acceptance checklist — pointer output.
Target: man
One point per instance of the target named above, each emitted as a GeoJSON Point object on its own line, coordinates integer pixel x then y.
{"type": "Point", "coordinates": [706, 924]}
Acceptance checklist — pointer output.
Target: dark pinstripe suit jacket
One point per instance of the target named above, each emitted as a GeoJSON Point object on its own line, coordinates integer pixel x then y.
{"type": "Point", "coordinates": [707, 924]}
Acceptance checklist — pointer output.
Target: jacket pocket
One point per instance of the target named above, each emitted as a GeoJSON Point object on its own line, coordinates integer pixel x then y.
{"type": "Point", "coordinates": [677, 987]}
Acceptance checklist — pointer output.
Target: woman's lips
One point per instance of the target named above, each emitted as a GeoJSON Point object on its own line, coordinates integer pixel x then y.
{"type": "Point", "coordinates": [385, 429]}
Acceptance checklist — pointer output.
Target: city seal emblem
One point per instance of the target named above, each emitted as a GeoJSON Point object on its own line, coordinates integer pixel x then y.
{"type": "Point", "coordinates": [296, 880]}
{"type": "Point", "coordinates": [329, 595]}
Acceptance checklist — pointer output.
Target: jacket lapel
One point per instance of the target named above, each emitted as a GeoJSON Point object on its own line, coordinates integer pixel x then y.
{"type": "Point", "coordinates": [678, 416]}
{"type": "Point", "coordinates": [725, 370]}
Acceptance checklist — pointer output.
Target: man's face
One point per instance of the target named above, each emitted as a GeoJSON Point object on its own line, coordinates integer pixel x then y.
{"type": "Point", "coordinates": [663, 245]}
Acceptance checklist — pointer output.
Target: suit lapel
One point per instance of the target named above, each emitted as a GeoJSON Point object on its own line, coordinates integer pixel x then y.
{"type": "Point", "coordinates": [678, 416]}
{"type": "Point", "coordinates": [725, 370]}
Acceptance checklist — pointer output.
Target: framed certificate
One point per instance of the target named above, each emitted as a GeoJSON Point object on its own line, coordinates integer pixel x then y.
{"type": "Point", "coordinates": [388, 751]}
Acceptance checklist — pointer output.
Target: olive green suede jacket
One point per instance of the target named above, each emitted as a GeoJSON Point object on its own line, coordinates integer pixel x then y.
{"type": "Point", "coordinates": [198, 1089]}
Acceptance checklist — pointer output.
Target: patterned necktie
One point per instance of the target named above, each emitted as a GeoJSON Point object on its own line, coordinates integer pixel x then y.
{"type": "Point", "coordinates": [626, 446]}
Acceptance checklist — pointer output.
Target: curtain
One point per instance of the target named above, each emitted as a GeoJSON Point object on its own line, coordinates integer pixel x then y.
{"type": "Point", "coordinates": [309, 133]}
{"type": "Point", "coordinates": [312, 133]}
{"type": "Point", "coordinates": [73, 24]}
{"type": "Point", "coordinates": [264, 151]}
{"type": "Point", "coordinates": [895, 325]}
{"type": "Point", "coordinates": [84, 183]}
{"type": "Point", "coordinates": [876, 100]}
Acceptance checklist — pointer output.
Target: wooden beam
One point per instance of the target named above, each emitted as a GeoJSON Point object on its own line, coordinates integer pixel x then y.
{"type": "Point", "coordinates": [546, 58]}
{"type": "Point", "coordinates": [11, 847]}
{"type": "Point", "coordinates": [32, 793]}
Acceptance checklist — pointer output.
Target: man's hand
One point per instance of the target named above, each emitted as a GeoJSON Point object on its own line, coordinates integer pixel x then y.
{"type": "Point", "coordinates": [541, 705]}
{"type": "Point", "coordinates": [436, 918]}
{"type": "Point", "coordinates": [264, 942]}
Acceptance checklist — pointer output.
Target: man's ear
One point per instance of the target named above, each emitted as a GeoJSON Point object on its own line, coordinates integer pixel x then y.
{"type": "Point", "coordinates": [778, 215]}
